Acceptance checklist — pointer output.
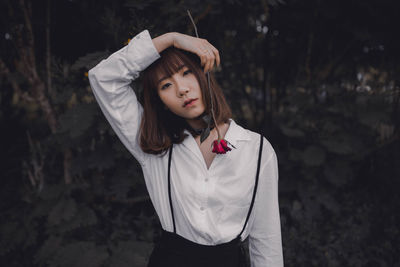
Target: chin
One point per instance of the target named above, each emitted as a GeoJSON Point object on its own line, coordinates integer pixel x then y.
{"type": "Point", "coordinates": [198, 115]}
{"type": "Point", "coordinates": [194, 114]}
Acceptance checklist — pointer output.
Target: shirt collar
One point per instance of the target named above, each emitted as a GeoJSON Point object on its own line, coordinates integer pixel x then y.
{"type": "Point", "coordinates": [236, 133]}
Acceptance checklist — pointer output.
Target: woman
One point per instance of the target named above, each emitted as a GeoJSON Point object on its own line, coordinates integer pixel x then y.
{"type": "Point", "coordinates": [207, 203]}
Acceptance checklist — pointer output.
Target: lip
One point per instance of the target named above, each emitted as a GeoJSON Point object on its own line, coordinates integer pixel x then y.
{"type": "Point", "coordinates": [189, 102]}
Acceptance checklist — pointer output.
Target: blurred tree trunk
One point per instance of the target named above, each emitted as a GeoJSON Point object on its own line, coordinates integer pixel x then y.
{"type": "Point", "coordinates": [26, 66]}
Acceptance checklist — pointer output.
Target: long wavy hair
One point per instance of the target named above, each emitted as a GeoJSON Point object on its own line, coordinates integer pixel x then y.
{"type": "Point", "coordinates": [160, 127]}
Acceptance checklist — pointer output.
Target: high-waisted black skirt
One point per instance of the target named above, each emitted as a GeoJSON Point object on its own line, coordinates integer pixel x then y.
{"type": "Point", "coordinates": [173, 250]}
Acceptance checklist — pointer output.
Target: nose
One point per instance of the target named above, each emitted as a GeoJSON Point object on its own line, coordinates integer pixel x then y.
{"type": "Point", "coordinates": [182, 88]}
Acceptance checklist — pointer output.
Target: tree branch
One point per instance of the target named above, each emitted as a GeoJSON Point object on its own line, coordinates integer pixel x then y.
{"type": "Point", "coordinates": [35, 172]}
{"type": "Point", "coordinates": [27, 12]}
{"type": "Point", "coordinates": [26, 66]}
{"type": "Point", "coordinates": [4, 71]}
{"type": "Point", "coordinates": [48, 49]}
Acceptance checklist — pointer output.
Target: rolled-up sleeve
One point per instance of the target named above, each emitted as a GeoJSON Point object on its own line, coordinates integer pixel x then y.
{"type": "Point", "coordinates": [110, 82]}
{"type": "Point", "coordinates": [265, 242]}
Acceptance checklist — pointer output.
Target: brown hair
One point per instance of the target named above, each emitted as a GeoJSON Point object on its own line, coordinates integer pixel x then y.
{"type": "Point", "coordinates": [159, 127]}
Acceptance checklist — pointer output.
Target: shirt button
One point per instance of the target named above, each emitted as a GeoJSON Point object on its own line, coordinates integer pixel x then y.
{"type": "Point", "coordinates": [206, 179]}
{"type": "Point", "coordinates": [201, 208]}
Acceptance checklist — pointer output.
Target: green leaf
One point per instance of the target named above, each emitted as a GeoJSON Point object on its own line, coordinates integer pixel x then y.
{"type": "Point", "coordinates": [130, 253]}
{"type": "Point", "coordinates": [80, 254]}
{"type": "Point", "coordinates": [314, 156]}
{"type": "Point", "coordinates": [291, 132]}
{"type": "Point", "coordinates": [295, 154]}
{"type": "Point", "coordinates": [9, 237]}
{"type": "Point", "coordinates": [48, 249]}
{"type": "Point", "coordinates": [338, 173]}
{"type": "Point", "coordinates": [77, 119]}
{"type": "Point", "coordinates": [89, 60]}
{"type": "Point", "coordinates": [373, 118]}
{"type": "Point", "coordinates": [343, 144]}
{"type": "Point", "coordinates": [65, 209]}
{"type": "Point", "coordinates": [51, 192]}
{"type": "Point", "coordinates": [330, 127]}
{"type": "Point", "coordinates": [84, 216]}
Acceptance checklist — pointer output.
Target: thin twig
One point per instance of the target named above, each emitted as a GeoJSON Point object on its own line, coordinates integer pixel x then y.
{"type": "Point", "coordinates": [194, 24]}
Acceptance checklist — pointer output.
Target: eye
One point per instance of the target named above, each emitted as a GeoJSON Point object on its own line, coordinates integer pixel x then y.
{"type": "Point", "coordinates": [187, 72]}
{"type": "Point", "coordinates": [165, 86]}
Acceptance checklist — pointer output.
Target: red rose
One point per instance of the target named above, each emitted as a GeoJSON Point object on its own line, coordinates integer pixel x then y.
{"type": "Point", "coordinates": [220, 146]}
{"type": "Point", "coordinates": [225, 145]}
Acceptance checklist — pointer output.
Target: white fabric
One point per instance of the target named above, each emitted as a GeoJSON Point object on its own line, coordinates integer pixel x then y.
{"type": "Point", "coordinates": [210, 205]}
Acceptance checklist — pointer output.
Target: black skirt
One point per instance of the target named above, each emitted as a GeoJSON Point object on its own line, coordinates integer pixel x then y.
{"type": "Point", "coordinates": [173, 250]}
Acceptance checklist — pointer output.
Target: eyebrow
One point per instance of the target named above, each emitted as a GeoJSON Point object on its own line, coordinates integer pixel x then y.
{"type": "Point", "coordinates": [165, 77]}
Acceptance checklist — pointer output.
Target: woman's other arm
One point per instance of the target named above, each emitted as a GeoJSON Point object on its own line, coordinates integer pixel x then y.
{"type": "Point", "coordinates": [207, 53]}
{"type": "Point", "coordinates": [265, 244]}
{"type": "Point", "coordinates": [110, 81]}
{"type": "Point", "coordinates": [164, 41]}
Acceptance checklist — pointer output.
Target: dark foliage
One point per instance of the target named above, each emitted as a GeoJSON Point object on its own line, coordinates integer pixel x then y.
{"type": "Point", "coordinates": [319, 78]}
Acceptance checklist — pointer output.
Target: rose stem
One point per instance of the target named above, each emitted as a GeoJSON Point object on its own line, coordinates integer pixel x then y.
{"type": "Point", "coordinates": [208, 81]}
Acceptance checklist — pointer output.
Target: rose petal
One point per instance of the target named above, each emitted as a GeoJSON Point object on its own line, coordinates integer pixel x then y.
{"type": "Point", "coordinates": [218, 147]}
{"type": "Point", "coordinates": [225, 145]}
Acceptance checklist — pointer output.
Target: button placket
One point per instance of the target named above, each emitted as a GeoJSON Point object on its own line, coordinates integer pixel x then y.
{"type": "Point", "coordinates": [206, 193]}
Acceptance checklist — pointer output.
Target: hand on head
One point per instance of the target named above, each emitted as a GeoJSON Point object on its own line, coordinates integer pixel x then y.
{"type": "Point", "coordinates": [207, 53]}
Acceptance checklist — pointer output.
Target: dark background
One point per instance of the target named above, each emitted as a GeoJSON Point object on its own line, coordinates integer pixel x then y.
{"type": "Point", "coordinates": [320, 80]}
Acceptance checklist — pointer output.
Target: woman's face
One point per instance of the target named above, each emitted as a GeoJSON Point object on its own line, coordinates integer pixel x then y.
{"type": "Point", "coordinates": [181, 94]}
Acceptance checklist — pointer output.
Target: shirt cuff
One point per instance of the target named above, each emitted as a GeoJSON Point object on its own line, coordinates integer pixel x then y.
{"type": "Point", "coordinates": [141, 51]}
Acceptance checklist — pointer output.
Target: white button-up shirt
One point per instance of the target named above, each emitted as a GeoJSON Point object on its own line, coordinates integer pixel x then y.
{"type": "Point", "coordinates": [210, 205]}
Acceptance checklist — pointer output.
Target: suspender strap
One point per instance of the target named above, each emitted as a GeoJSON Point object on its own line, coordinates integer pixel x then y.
{"type": "Point", "coordinates": [169, 187]}
{"type": "Point", "coordinates": [255, 186]}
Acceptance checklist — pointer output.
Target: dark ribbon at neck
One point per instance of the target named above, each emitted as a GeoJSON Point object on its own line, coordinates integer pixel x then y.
{"type": "Point", "coordinates": [206, 118]}
{"type": "Point", "coordinates": [199, 131]}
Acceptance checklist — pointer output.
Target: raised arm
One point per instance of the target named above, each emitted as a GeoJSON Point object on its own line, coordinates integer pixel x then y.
{"type": "Point", "coordinates": [110, 81]}
{"type": "Point", "coordinates": [265, 242]}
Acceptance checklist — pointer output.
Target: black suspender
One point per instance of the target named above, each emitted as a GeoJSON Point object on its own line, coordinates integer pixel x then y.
{"type": "Point", "coordinates": [169, 186]}
{"type": "Point", "coordinates": [254, 190]}
{"type": "Point", "coordinates": [255, 186]}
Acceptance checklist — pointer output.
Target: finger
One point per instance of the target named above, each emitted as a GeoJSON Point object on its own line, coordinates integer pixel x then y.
{"type": "Point", "coordinates": [216, 53]}
{"type": "Point", "coordinates": [210, 59]}
{"type": "Point", "coordinates": [203, 56]}
{"type": "Point", "coordinates": [203, 60]}
{"type": "Point", "coordinates": [206, 66]}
